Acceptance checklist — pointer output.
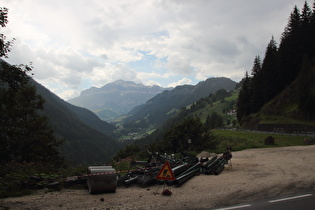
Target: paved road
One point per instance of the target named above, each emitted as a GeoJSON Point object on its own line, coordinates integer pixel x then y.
{"type": "Point", "coordinates": [305, 201]}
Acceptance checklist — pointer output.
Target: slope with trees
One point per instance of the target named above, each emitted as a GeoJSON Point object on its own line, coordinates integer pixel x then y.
{"type": "Point", "coordinates": [25, 135]}
{"type": "Point", "coordinates": [36, 125]}
{"type": "Point", "coordinates": [193, 122]}
{"type": "Point", "coordinates": [167, 104]}
{"type": "Point", "coordinates": [283, 83]}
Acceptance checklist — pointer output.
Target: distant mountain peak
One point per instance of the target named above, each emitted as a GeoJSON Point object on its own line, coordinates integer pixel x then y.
{"type": "Point", "coordinates": [116, 98]}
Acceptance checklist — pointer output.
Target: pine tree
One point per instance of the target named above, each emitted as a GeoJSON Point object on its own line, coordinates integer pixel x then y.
{"type": "Point", "coordinates": [271, 77]}
{"type": "Point", "coordinates": [307, 33]}
{"type": "Point", "coordinates": [244, 98]}
{"type": "Point", "coordinates": [257, 85]}
{"type": "Point", "coordinates": [305, 87]}
{"type": "Point", "coordinates": [290, 50]}
{"type": "Point", "coordinates": [306, 15]}
{"type": "Point", "coordinates": [214, 121]}
{"type": "Point", "coordinates": [294, 24]}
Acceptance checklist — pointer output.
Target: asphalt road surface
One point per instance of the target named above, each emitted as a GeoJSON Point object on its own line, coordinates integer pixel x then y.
{"type": "Point", "coordinates": [305, 201]}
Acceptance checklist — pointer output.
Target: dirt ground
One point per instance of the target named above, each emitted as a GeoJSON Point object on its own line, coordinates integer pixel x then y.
{"type": "Point", "coordinates": [255, 174]}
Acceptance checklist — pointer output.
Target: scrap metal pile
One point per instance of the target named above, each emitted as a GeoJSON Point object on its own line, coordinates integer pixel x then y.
{"type": "Point", "coordinates": [183, 169]}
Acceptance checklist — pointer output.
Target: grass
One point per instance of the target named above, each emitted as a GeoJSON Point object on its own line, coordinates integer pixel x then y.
{"type": "Point", "coordinates": [240, 140]}
{"type": "Point", "coordinates": [284, 120]}
{"type": "Point", "coordinates": [21, 178]}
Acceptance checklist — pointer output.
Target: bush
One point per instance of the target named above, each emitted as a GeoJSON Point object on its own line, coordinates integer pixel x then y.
{"type": "Point", "coordinates": [21, 178]}
{"type": "Point", "coordinates": [269, 140]}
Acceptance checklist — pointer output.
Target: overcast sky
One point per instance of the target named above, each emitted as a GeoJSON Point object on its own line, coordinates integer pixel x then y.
{"type": "Point", "coordinates": [77, 44]}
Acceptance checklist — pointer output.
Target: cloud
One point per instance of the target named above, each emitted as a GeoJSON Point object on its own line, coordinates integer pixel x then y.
{"type": "Point", "coordinates": [108, 73]}
{"type": "Point", "coordinates": [77, 44]}
{"type": "Point", "coordinates": [184, 81]}
{"type": "Point", "coordinates": [68, 94]}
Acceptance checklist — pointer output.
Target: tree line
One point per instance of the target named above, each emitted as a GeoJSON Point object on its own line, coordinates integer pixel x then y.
{"type": "Point", "coordinates": [282, 65]}
{"type": "Point", "coordinates": [174, 135]}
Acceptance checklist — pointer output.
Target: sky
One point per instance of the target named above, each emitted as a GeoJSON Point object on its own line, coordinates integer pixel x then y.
{"type": "Point", "coordinates": [76, 44]}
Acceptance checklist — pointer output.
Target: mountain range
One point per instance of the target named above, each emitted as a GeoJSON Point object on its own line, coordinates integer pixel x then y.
{"type": "Point", "coordinates": [116, 98]}
{"type": "Point", "coordinates": [90, 140]}
{"type": "Point", "coordinates": [87, 138]}
{"type": "Point", "coordinates": [163, 106]}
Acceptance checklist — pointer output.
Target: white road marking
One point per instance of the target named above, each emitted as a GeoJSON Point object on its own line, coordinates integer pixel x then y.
{"type": "Point", "coordinates": [235, 207]}
{"type": "Point", "coordinates": [290, 198]}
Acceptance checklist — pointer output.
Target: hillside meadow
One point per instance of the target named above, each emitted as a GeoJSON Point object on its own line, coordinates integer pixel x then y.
{"type": "Point", "coordinates": [240, 140]}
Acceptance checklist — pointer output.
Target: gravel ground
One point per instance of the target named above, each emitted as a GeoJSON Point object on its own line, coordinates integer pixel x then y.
{"type": "Point", "coordinates": [255, 174]}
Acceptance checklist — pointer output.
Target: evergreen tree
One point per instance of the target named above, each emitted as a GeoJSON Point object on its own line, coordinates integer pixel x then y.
{"type": "Point", "coordinates": [306, 87]}
{"type": "Point", "coordinates": [281, 66]}
{"type": "Point", "coordinates": [293, 25]}
{"type": "Point", "coordinates": [306, 15]}
{"type": "Point", "coordinates": [214, 121]}
{"type": "Point", "coordinates": [257, 85]}
{"type": "Point", "coordinates": [271, 77]}
{"type": "Point", "coordinates": [290, 49]}
{"type": "Point", "coordinates": [244, 98]}
{"type": "Point", "coordinates": [176, 138]}
{"type": "Point", "coordinates": [307, 32]}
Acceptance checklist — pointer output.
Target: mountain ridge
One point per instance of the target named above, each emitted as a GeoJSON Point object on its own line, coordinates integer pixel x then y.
{"type": "Point", "coordinates": [157, 110]}
{"type": "Point", "coordinates": [116, 98]}
{"type": "Point", "coordinates": [87, 138]}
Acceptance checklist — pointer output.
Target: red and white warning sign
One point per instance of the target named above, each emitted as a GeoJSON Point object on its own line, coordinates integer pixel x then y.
{"type": "Point", "coordinates": [166, 173]}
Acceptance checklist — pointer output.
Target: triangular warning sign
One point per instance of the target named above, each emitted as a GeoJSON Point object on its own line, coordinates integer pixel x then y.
{"type": "Point", "coordinates": [166, 173]}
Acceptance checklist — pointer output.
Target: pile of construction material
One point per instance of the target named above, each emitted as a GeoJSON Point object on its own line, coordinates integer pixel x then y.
{"type": "Point", "coordinates": [183, 169]}
{"type": "Point", "coordinates": [105, 178]}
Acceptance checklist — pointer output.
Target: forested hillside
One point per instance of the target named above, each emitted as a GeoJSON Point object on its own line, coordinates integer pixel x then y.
{"type": "Point", "coordinates": [192, 122]}
{"type": "Point", "coordinates": [165, 105]}
{"type": "Point", "coordinates": [282, 83]}
{"type": "Point", "coordinates": [87, 139]}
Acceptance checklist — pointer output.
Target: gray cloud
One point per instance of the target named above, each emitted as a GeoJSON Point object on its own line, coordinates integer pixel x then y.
{"type": "Point", "coordinates": [76, 44]}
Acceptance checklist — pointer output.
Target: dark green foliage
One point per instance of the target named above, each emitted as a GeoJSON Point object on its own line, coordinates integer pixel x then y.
{"type": "Point", "coordinates": [269, 140]}
{"type": "Point", "coordinates": [282, 66]}
{"type": "Point", "coordinates": [176, 138]}
{"type": "Point", "coordinates": [186, 125]}
{"type": "Point", "coordinates": [21, 178]}
{"type": "Point", "coordinates": [24, 134]}
{"type": "Point", "coordinates": [4, 45]}
{"type": "Point", "coordinates": [306, 87]}
{"type": "Point", "coordinates": [130, 151]}
{"type": "Point", "coordinates": [13, 176]}
{"type": "Point", "coordinates": [214, 121]}
{"type": "Point", "coordinates": [270, 76]}
{"type": "Point", "coordinates": [88, 139]}
{"type": "Point", "coordinates": [306, 16]}
{"type": "Point", "coordinates": [166, 105]}
{"type": "Point", "coordinates": [244, 99]}
{"type": "Point", "coordinates": [257, 84]}
{"type": "Point", "coordinates": [293, 25]}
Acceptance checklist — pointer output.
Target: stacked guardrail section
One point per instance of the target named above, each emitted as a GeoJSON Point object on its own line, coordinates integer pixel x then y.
{"type": "Point", "coordinates": [183, 169]}
{"type": "Point", "coordinates": [102, 179]}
